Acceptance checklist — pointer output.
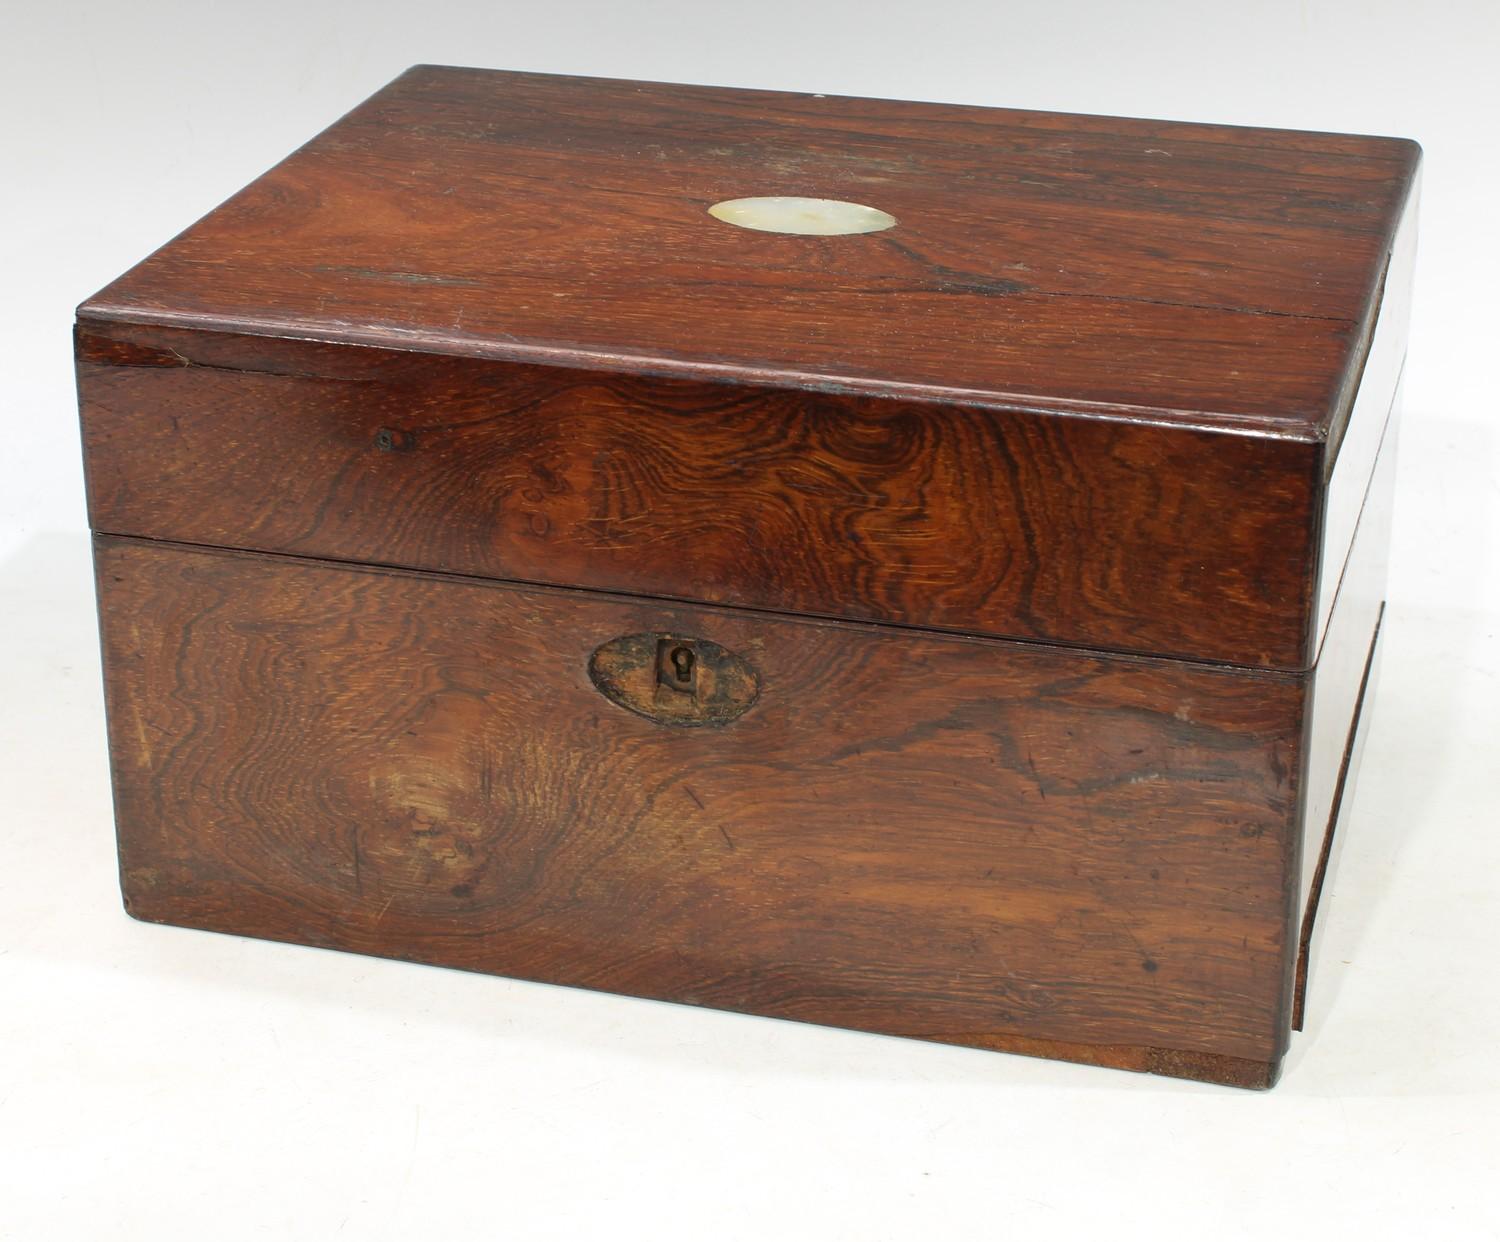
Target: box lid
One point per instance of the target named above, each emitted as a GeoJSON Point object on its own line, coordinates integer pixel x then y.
{"type": "Point", "coordinates": [1179, 272]}
{"type": "Point", "coordinates": [1187, 277]}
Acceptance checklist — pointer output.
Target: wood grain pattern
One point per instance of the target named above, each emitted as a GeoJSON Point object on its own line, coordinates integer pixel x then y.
{"type": "Point", "coordinates": [1090, 390]}
{"type": "Point", "coordinates": [982, 842]}
{"type": "Point", "coordinates": [1175, 272]}
{"type": "Point", "coordinates": [1106, 534]}
{"type": "Point", "coordinates": [1033, 549]}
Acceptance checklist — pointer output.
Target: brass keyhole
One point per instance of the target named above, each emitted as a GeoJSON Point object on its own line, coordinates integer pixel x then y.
{"type": "Point", "coordinates": [676, 668]}
{"type": "Point", "coordinates": [674, 679]}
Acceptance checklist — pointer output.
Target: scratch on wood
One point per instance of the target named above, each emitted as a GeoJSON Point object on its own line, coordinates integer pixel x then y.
{"type": "Point", "coordinates": [1037, 776]}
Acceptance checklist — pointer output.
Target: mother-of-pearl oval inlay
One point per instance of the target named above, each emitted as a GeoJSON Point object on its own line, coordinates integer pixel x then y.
{"type": "Point", "coordinates": [815, 217]}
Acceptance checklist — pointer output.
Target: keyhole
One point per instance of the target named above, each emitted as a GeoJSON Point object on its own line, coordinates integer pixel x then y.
{"type": "Point", "coordinates": [682, 663]}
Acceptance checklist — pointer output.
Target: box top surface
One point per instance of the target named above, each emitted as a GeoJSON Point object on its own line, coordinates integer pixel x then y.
{"type": "Point", "coordinates": [1144, 270]}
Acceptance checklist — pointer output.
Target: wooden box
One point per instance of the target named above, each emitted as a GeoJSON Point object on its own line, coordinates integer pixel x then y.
{"type": "Point", "coordinates": [956, 628]}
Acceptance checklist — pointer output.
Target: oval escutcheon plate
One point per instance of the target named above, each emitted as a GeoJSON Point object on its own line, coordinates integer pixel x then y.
{"type": "Point", "coordinates": [674, 679]}
{"type": "Point", "coordinates": [811, 217]}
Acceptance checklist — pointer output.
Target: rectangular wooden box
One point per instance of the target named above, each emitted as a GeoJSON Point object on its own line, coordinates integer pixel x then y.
{"type": "Point", "coordinates": [956, 630]}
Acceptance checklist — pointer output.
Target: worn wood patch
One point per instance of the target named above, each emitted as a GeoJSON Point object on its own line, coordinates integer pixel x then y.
{"type": "Point", "coordinates": [674, 679]}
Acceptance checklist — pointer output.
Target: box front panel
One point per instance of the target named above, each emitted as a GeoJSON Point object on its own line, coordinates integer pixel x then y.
{"type": "Point", "coordinates": [1115, 535]}
{"type": "Point", "coordinates": [998, 844]}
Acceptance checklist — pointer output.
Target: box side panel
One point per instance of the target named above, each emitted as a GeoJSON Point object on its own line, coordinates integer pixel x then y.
{"type": "Point", "coordinates": [1359, 440]}
{"type": "Point", "coordinates": [1105, 534]}
{"type": "Point", "coordinates": [997, 844]}
{"type": "Point", "coordinates": [1341, 690]}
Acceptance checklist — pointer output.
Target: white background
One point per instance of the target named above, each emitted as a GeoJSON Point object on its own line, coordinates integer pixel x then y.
{"type": "Point", "coordinates": [165, 1084]}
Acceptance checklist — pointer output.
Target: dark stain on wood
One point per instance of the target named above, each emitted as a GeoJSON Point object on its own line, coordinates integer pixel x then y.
{"type": "Point", "coordinates": [674, 679]}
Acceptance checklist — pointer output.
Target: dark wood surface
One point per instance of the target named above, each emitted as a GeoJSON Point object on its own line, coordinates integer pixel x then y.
{"type": "Point", "coordinates": [1111, 385]}
{"type": "Point", "coordinates": [998, 844]}
{"type": "Point", "coordinates": [1090, 390]}
{"type": "Point", "coordinates": [1107, 534]}
{"type": "Point", "coordinates": [1180, 273]}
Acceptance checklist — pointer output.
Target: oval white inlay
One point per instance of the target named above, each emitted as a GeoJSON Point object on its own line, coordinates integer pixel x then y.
{"type": "Point", "coordinates": [815, 217]}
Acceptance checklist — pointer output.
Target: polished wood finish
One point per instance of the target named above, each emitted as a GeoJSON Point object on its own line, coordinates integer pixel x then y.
{"type": "Point", "coordinates": [970, 840]}
{"type": "Point", "coordinates": [1180, 273]}
{"type": "Point", "coordinates": [1090, 389]}
{"type": "Point", "coordinates": [1106, 534]}
{"type": "Point", "coordinates": [956, 631]}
